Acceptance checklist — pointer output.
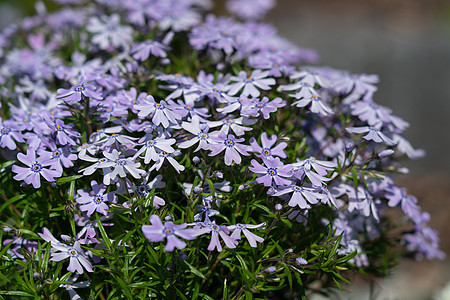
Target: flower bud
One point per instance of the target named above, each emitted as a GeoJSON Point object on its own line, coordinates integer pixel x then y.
{"type": "Point", "coordinates": [271, 269]}
{"type": "Point", "coordinates": [196, 160]}
{"type": "Point", "coordinates": [301, 261]}
{"type": "Point", "coordinates": [198, 189]}
{"type": "Point", "coordinates": [218, 174]}
{"type": "Point", "coordinates": [278, 207]}
{"type": "Point", "coordinates": [385, 153]}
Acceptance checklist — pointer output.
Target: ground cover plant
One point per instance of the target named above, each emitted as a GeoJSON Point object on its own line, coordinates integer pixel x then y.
{"type": "Point", "coordinates": [151, 149]}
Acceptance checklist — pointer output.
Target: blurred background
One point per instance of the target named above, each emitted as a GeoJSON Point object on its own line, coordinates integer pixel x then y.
{"type": "Point", "coordinates": [407, 43]}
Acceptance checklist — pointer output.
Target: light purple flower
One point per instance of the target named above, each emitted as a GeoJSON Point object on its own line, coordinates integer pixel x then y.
{"type": "Point", "coordinates": [252, 238]}
{"type": "Point", "coordinates": [263, 107]}
{"type": "Point", "coordinates": [7, 134]}
{"type": "Point", "coordinates": [158, 231]}
{"type": "Point", "coordinates": [230, 123]}
{"type": "Point", "coordinates": [317, 105]}
{"type": "Point", "coordinates": [312, 77]}
{"type": "Point", "coordinates": [143, 50]}
{"type": "Point", "coordinates": [373, 133]}
{"type": "Point", "coordinates": [35, 169]}
{"type": "Point", "coordinates": [95, 200]}
{"type": "Point", "coordinates": [108, 32]}
{"type": "Point", "coordinates": [119, 166]}
{"type": "Point", "coordinates": [151, 145]}
{"type": "Point", "coordinates": [200, 132]}
{"type": "Point", "coordinates": [162, 113]}
{"type": "Point", "coordinates": [58, 157]}
{"type": "Point", "coordinates": [267, 150]}
{"type": "Point", "coordinates": [231, 146]}
{"type": "Point", "coordinates": [62, 251]}
{"type": "Point", "coordinates": [163, 156]}
{"type": "Point", "coordinates": [216, 231]}
{"type": "Point", "coordinates": [250, 9]}
{"type": "Point", "coordinates": [299, 194]}
{"type": "Point", "coordinates": [274, 172]}
{"type": "Point", "coordinates": [258, 79]}
{"type": "Point", "coordinates": [77, 92]}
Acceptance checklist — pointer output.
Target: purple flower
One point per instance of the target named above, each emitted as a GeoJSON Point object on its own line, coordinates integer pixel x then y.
{"type": "Point", "coordinates": [119, 166]}
{"type": "Point", "coordinates": [408, 203]}
{"type": "Point", "coordinates": [244, 228]}
{"type": "Point", "coordinates": [143, 50]}
{"type": "Point", "coordinates": [74, 285]}
{"type": "Point", "coordinates": [235, 124]}
{"type": "Point", "coordinates": [258, 79]}
{"type": "Point", "coordinates": [299, 194]}
{"type": "Point", "coordinates": [77, 257]}
{"type": "Point", "coordinates": [158, 231]}
{"type": "Point", "coordinates": [58, 157]}
{"type": "Point", "coordinates": [373, 133]}
{"type": "Point", "coordinates": [357, 84]}
{"type": "Point", "coordinates": [267, 150]}
{"type": "Point", "coordinates": [217, 33]}
{"type": "Point", "coordinates": [320, 166]}
{"type": "Point", "coordinates": [200, 132]}
{"type": "Point", "coordinates": [95, 201]}
{"type": "Point", "coordinates": [162, 114]}
{"type": "Point", "coordinates": [61, 251]}
{"type": "Point", "coordinates": [250, 9]}
{"type": "Point", "coordinates": [205, 211]}
{"type": "Point", "coordinates": [371, 112]}
{"type": "Point", "coordinates": [263, 107]}
{"type": "Point", "coordinates": [315, 178]}
{"type": "Point", "coordinates": [274, 172]}
{"type": "Point", "coordinates": [312, 77]}
{"type": "Point", "coordinates": [216, 231]}
{"type": "Point", "coordinates": [18, 243]}
{"type": "Point", "coordinates": [108, 32]}
{"type": "Point", "coordinates": [163, 156]}
{"type": "Point", "coordinates": [77, 92]}
{"type": "Point", "coordinates": [317, 105]}
{"type": "Point", "coordinates": [151, 145]}
{"type": "Point", "coordinates": [35, 169]}
{"type": "Point", "coordinates": [7, 134]}
{"type": "Point", "coordinates": [64, 133]}
{"type": "Point", "coordinates": [232, 149]}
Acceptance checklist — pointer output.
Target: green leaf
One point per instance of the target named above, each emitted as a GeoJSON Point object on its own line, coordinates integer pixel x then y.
{"type": "Point", "coordinates": [194, 270]}
{"type": "Point", "coordinates": [6, 164]}
{"type": "Point", "coordinates": [335, 246]}
{"type": "Point", "coordinates": [241, 261]}
{"type": "Point", "coordinates": [211, 186]}
{"type": "Point", "coordinates": [16, 293]}
{"type": "Point", "coordinates": [63, 180]}
{"type": "Point", "coordinates": [11, 201]}
{"type": "Point", "coordinates": [44, 262]}
{"type": "Point", "coordinates": [72, 190]}
{"type": "Point", "coordinates": [337, 284]}
{"type": "Point", "coordinates": [106, 240]}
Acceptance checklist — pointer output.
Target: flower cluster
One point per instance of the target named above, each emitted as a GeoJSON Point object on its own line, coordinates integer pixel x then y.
{"type": "Point", "coordinates": [146, 112]}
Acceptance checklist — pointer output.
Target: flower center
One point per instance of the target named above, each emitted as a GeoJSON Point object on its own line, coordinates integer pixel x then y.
{"type": "Point", "coordinates": [266, 152]}
{"type": "Point", "coordinates": [272, 172]}
{"type": "Point", "coordinates": [168, 231]}
{"type": "Point", "coordinates": [98, 199]}
{"type": "Point", "coordinates": [229, 143]}
{"type": "Point", "coordinates": [5, 130]}
{"type": "Point", "coordinates": [36, 167]}
{"type": "Point", "coordinates": [202, 136]}
{"type": "Point", "coordinates": [73, 252]}
{"type": "Point", "coordinates": [159, 106]}
{"type": "Point", "coordinates": [56, 153]}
